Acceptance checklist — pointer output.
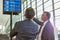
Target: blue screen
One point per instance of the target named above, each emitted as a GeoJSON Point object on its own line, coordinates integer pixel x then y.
{"type": "Point", "coordinates": [12, 5]}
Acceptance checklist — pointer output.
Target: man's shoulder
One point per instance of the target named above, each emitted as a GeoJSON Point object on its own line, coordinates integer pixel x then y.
{"type": "Point", "coordinates": [34, 24]}
{"type": "Point", "coordinates": [49, 24]}
{"type": "Point", "coordinates": [18, 22]}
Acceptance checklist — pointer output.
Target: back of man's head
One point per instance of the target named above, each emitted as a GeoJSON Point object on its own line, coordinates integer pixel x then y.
{"type": "Point", "coordinates": [29, 13]}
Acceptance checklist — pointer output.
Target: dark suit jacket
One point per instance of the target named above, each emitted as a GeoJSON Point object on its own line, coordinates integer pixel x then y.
{"type": "Point", "coordinates": [25, 30]}
{"type": "Point", "coordinates": [48, 31]}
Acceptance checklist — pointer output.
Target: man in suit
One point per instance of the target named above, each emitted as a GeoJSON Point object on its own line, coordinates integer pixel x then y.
{"type": "Point", "coordinates": [46, 31]}
{"type": "Point", "coordinates": [27, 29]}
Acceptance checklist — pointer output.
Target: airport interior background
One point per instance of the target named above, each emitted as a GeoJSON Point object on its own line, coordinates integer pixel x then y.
{"type": "Point", "coordinates": [52, 6]}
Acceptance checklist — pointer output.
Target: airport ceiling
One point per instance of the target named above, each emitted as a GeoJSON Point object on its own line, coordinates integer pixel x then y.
{"type": "Point", "coordinates": [4, 18]}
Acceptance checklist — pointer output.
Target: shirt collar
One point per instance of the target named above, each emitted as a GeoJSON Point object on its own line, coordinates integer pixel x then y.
{"type": "Point", "coordinates": [45, 22]}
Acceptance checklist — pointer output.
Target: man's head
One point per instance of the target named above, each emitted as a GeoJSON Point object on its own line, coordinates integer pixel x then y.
{"type": "Point", "coordinates": [29, 13]}
{"type": "Point", "coordinates": [45, 16]}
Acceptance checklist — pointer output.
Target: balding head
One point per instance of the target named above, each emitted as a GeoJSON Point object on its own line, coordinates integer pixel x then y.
{"type": "Point", "coordinates": [29, 13]}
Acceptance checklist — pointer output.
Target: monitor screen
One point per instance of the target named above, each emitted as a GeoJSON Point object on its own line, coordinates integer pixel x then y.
{"type": "Point", "coordinates": [12, 5]}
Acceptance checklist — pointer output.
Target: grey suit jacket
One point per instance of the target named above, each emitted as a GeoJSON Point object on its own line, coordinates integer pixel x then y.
{"type": "Point", "coordinates": [48, 31]}
{"type": "Point", "coordinates": [25, 30]}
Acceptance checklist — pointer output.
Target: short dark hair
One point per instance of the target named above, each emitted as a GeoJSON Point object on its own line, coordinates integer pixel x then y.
{"type": "Point", "coordinates": [48, 14]}
{"type": "Point", "coordinates": [30, 13]}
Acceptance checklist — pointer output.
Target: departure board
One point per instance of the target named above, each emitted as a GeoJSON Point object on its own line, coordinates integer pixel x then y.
{"type": "Point", "coordinates": [12, 6]}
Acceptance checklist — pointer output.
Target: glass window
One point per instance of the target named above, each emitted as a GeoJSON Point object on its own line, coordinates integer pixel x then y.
{"type": "Point", "coordinates": [47, 4]}
{"type": "Point", "coordinates": [48, 8]}
{"type": "Point", "coordinates": [57, 17]}
{"type": "Point", "coordinates": [28, 3]}
{"type": "Point", "coordinates": [22, 12]}
{"type": "Point", "coordinates": [46, 0]}
{"type": "Point", "coordinates": [39, 3]}
{"type": "Point", "coordinates": [57, 5]}
{"type": "Point", "coordinates": [57, 12]}
{"type": "Point", "coordinates": [51, 18]}
{"type": "Point", "coordinates": [58, 22]}
{"type": "Point", "coordinates": [22, 7]}
{"type": "Point", "coordinates": [32, 0]}
{"type": "Point", "coordinates": [39, 8]}
{"type": "Point", "coordinates": [25, 4]}
{"type": "Point", "coordinates": [33, 3]}
{"type": "Point", "coordinates": [56, 1]}
{"type": "Point", "coordinates": [39, 13]}
{"type": "Point", "coordinates": [38, 0]}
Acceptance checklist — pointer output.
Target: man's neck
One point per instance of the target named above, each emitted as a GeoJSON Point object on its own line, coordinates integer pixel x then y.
{"type": "Point", "coordinates": [45, 20]}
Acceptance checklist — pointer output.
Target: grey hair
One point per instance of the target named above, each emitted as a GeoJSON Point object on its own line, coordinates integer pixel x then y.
{"type": "Point", "coordinates": [48, 14]}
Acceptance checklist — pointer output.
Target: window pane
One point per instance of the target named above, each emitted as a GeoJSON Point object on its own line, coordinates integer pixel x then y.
{"type": "Point", "coordinates": [58, 23]}
{"type": "Point", "coordinates": [56, 1]}
{"type": "Point", "coordinates": [39, 8]}
{"type": "Point", "coordinates": [48, 8]}
{"type": "Point", "coordinates": [25, 4]}
{"type": "Point", "coordinates": [57, 12]}
{"type": "Point", "coordinates": [51, 18]}
{"type": "Point", "coordinates": [33, 4]}
{"type": "Point", "coordinates": [29, 2]}
{"type": "Point", "coordinates": [32, 0]}
{"type": "Point", "coordinates": [47, 4]}
{"type": "Point", "coordinates": [39, 3]}
{"type": "Point", "coordinates": [46, 0]}
{"type": "Point", "coordinates": [39, 13]}
{"type": "Point", "coordinates": [57, 5]}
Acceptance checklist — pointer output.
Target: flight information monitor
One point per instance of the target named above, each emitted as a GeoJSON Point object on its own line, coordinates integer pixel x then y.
{"type": "Point", "coordinates": [10, 6]}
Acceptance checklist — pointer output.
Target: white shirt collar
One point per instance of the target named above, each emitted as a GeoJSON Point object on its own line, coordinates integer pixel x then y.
{"type": "Point", "coordinates": [45, 22]}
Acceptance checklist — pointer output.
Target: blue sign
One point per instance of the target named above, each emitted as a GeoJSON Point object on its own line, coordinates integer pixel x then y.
{"type": "Point", "coordinates": [12, 5]}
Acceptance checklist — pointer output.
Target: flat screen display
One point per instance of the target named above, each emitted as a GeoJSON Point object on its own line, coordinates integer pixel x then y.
{"type": "Point", "coordinates": [12, 5]}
